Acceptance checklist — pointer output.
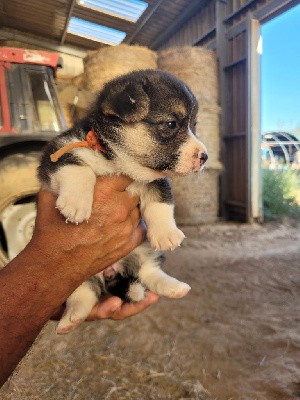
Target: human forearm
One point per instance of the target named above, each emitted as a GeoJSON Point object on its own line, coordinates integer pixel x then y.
{"type": "Point", "coordinates": [58, 258]}
{"type": "Point", "coordinates": [27, 282]}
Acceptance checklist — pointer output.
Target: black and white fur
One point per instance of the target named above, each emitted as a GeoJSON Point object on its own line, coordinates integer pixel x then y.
{"type": "Point", "coordinates": [145, 122]}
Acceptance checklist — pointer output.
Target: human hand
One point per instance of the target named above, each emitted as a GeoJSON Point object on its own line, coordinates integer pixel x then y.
{"type": "Point", "coordinates": [59, 258]}
{"type": "Point", "coordinates": [112, 307]}
{"type": "Point", "coordinates": [112, 232]}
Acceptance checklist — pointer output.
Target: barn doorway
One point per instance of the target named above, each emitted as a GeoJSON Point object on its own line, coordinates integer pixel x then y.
{"type": "Point", "coordinates": [280, 116]}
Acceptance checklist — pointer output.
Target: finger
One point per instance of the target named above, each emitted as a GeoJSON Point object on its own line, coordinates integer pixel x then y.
{"type": "Point", "coordinates": [46, 206]}
{"type": "Point", "coordinates": [135, 216]}
{"type": "Point", "coordinates": [116, 182]}
{"type": "Point", "coordinates": [129, 201]}
{"type": "Point", "coordinates": [124, 247]}
{"type": "Point", "coordinates": [130, 309]}
{"type": "Point", "coordinates": [44, 197]}
{"type": "Point", "coordinates": [105, 308]}
{"type": "Point", "coordinates": [139, 235]}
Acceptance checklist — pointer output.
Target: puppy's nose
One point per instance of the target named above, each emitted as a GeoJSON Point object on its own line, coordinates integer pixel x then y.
{"type": "Point", "coordinates": [203, 158]}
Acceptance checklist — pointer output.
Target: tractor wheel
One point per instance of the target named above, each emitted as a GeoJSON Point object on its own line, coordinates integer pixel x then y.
{"type": "Point", "coordinates": [18, 188]}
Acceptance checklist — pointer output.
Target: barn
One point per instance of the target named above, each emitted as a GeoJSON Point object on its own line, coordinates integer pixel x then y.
{"type": "Point", "coordinates": [235, 336]}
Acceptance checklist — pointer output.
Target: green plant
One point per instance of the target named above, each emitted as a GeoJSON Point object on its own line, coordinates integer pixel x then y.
{"type": "Point", "coordinates": [279, 194]}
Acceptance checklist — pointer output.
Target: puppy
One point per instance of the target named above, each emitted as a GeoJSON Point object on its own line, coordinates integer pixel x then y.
{"type": "Point", "coordinates": [141, 125]}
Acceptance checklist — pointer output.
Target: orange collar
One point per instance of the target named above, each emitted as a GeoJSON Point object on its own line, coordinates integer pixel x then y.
{"type": "Point", "coordinates": [91, 141]}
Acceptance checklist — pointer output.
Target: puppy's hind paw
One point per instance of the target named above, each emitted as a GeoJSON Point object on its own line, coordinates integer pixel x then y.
{"type": "Point", "coordinates": [176, 289]}
{"type": "Point", "coordinates": [64, 327]}
{"type": "Point", "coordinates": [71, 320]}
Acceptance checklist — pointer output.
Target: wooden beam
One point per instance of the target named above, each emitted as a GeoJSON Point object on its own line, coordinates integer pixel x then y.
{"type": "Point", "coordinates": [63, 37]}
{"type": "Point", "coordinates": [35, 41]}
{"type": "Point", "coordinates": [255, 211]}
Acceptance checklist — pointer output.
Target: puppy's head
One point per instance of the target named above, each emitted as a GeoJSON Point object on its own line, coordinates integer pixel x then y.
{"type": "Point", "coordinates": [156, 116]}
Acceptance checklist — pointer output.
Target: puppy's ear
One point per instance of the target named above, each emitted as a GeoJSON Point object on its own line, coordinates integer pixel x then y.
{"type": "Point", "coordinates": [128, 102]}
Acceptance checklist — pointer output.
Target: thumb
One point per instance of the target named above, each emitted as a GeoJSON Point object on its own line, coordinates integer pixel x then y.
{"type": "Point", "coordinates": [46, 206]}
{"type": "Point", "coordinates": [105, 308]}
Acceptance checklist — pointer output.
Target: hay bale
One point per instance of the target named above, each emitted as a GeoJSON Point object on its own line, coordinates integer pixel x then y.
{"type": "Point", "coordinates": [103, 65]}
{"type": "Point", "coordinates": [208, 131]}
{"type": "Point", "coordinates": [78, 81]}
{"type": "Point", "coordinates": [73, 95]}
{"type": "Point", "coordinates": [67, 112]}
{"type": "Point", "coordinates": [196, 198]}
{"type": "Point", "coordinates": [197, 66]}
{"type": "Point", "coordinates": [74, 102]}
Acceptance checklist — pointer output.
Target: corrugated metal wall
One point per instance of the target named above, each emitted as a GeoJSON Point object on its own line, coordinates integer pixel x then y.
{"type": "Point", "coordinates": [202, 23]}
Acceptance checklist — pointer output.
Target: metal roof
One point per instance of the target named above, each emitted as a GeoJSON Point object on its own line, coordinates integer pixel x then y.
{"type": "Point", "coordinates": [49, 20]}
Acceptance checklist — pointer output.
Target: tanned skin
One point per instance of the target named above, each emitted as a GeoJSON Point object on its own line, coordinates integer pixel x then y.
{"type": "Point", "coordinates": [58, 259]}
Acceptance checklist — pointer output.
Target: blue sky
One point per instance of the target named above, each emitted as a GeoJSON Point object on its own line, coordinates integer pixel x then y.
{"type": "Point", "coordinates": [280, 72]}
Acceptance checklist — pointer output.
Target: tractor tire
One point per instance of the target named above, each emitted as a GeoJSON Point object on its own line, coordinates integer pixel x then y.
{"type": "Point", "coordinates": [18, 188]}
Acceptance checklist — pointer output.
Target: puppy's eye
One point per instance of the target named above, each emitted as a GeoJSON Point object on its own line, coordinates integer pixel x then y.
{"type": "Point", "coordinates": [172, 124]}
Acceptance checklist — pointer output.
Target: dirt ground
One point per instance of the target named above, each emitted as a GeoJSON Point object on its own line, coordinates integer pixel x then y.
{"type": "Point", "coordinates": [234, 336]}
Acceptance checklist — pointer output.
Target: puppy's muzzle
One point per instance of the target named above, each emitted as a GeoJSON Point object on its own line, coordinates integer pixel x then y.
{"type": "Point", "coordinates": [203, 158]}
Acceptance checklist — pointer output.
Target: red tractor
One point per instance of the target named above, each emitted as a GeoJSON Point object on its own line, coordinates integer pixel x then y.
{"type": "Point", "coordinates": [30, 115]}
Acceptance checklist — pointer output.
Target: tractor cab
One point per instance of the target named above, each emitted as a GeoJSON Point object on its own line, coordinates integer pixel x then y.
{"type": "Point", "coordinates": [28, 98]}
{"type": "Point", "coordinates": [30, 115]}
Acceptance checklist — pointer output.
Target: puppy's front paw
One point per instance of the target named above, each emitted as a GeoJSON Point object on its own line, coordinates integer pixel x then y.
{"type": "Point", "coordinates": [136, 292]}
{"type": "Point", "coordinates": [76, 209]}
{"type": "Point", "coordinates": [165, 239]}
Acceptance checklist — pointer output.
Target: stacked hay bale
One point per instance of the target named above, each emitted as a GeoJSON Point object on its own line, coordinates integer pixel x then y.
{"type": "Point", "coordinates": [105, 64]}
{"type": "Point", "coordinates": [78, 80]}
{"type": "Point", "coordinates": [74, 99]}
{"type": "Point", "coordinates": [197, 197]}
{"type": "Point", "coordinates": [74, 102]}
